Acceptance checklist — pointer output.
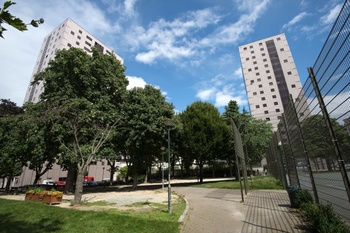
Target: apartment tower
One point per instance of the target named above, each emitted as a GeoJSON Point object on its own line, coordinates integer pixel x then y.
{"type": "Point", "coordinates": [270, 77]}
{"type": "Point", "coordinates": [67, 34]}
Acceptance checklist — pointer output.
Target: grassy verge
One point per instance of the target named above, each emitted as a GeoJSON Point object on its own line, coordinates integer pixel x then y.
{"type": "Point", "coordinates": [23, 216]}
{"type": "Point", "coordinates": [255, 182]}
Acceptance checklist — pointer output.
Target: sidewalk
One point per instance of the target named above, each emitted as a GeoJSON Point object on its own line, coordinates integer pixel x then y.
{"type": "Point", "coordinates": [221, 211]}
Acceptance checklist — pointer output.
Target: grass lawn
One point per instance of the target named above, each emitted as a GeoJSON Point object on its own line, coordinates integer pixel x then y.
{"type": "Point", "coordinates": [26, 216]}
{"type": "Point", "coordinates": [255, 182]}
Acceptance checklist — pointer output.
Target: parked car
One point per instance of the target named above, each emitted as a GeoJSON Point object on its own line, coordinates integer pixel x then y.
{"type": "Point", "coordinates": [60, 183]}
{"type": "Point", "coordinates": [48, 182]}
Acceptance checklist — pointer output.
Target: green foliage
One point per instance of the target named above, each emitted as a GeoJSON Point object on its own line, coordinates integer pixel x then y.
{"type": "Point", "coordinates": [6, 17]}
{"type": "Point", "coordinates": [202, 133]}
{"type": "Point", "coordinates": [302, 197]}
{"type": "Point", "coordinates": [123, 172]}
{"type": "Point", "coordinates": [322, 219]}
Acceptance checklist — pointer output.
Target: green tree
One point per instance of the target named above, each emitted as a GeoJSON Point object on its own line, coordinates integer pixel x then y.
{"type": "Point", "coordinates": [145, 111]}
{"type": "Point", "coordinates": [82, 97]}
{"type": "Point", "coordinates": [12, 142]}
{"type": "Point", "coordinates": [6, 17]}
{"type": "Point", "coordinates": [319, 144]}
{"type": "Point", "coordinates": [201, 133]}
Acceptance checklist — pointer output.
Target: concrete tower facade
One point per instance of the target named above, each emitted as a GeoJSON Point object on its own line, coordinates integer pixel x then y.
{"type": "Point", "coordinates": [67, 34]}
{"type": "Point", "coordinates": [270, 77]}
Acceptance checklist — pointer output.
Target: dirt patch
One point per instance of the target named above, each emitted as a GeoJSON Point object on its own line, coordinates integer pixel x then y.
{"type": "Point", "coordinates": [124, 201]}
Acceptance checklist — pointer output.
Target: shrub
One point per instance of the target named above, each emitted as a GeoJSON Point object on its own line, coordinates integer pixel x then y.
{"type": "Point", "coordinates": [322, 219]}
{"type": "Point", "coordinates": [302, 197]}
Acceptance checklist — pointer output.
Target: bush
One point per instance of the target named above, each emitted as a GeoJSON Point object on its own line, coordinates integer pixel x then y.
{"type": "Point", "coordinates": [322, 219]}
{"type": "Point", "coordinates": [302, 197]}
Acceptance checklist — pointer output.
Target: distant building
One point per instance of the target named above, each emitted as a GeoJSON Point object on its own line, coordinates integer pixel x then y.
{"type": "Point", "coordinates": [347, 125]}
{"type": "Point", "coordinates": [67, 34]}
{"type": "Point", "coordinates": [270, 77]}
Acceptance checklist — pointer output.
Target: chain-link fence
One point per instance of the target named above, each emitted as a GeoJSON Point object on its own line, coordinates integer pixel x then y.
{"type": "Point", "coordinates": [311, 148]}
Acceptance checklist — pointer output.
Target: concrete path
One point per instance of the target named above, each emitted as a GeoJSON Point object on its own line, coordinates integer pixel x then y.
{"type": "Point", "coordinates": [221, 211]}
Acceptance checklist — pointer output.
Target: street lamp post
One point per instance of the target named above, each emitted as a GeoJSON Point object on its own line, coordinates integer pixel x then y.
{"type": "Point", "coordinates": [163, 148]}
{"type": "Point", "coordinates": [169, 123]}
{"type": "Point", "coordinates": [103, 172]}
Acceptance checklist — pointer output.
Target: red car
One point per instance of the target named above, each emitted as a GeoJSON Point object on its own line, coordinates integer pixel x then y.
{"type": "Point", "coordinates": [60, 183]}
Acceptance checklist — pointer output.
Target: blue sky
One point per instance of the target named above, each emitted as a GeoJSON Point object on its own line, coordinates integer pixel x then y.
{"type": "Point", "coordinates": [187, 48]}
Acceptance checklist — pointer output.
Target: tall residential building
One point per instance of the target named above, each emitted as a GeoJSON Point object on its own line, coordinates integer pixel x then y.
{"type": "Point", "coordinates": [67, 34]}
{"type": "Point", "coordinates": [270, 77]}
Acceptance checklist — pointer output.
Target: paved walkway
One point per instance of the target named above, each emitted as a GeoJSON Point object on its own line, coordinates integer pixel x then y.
{"type": "Point", "coordinates": [221, 211]}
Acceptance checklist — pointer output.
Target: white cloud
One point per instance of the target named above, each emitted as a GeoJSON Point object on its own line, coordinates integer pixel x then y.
{"type": "Point", "coordinates": [206, 94]}
{"type": "Point", "coordinates": [135, 82]}
{"type": "Point", "coordinates": [295, 20]}
{"type": "Point", "coordinates": [238, 72]}
{"type": "Point", "coordinates": [331, 16]}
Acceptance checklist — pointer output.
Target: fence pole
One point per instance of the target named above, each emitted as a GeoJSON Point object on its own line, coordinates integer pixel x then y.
{"type": "Point", "coordinates": [331, 132]}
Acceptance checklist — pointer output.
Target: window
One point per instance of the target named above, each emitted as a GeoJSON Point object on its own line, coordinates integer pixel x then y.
{"type": "Point", "coordinates": [282, 49]}
{"type": "Point", "coordinates": [272, 90]}
{"type": "Point", "coordinates": [270, 83]}
{"type": "Point", "coordinates": [275, 103]}
{"type": "Point", "coordinates": [254, 93]}
{"type": "Point", "coordinates": [266, 65]}
{"type": "Point", "coordinates": [251, 52]}
{"type": "Point", "coordinates": [259, 79]}
{"type": "Point", "coordinates": [265, 105]}
{"type": "Point", "coordinates": [293, 85]}
{"type": "Point", "coordinates": [278, 38]}
{"type": "Point", "coordinates": [262, 98]}
{"type": "Point", "coordinates": [71, 32]}
{"type": "Point", "coordinates": [263, 54]}
{"type": "Point", "coordinates": [69, 45]}
{"type": "Point", "coordinates": [254, 62]}
{"type": "Point", "coordinates": [260, 44]}
{"type": "Point", "coordinates": [264, 60]}
{"type": "Point", "coordinates": [268, 118]}
{"type": "Point", "coordinates": [251, 46]}
{"type": "Point", "coordinates": [88, 37]}
{"type": "Point", "coordinates": [256, 68]}
{"type": "Point", "coordinates": [247, 59]}
{"type": "Point", "coordinates": [79, 37]}
{"type": "Point", "coordinates": [260, 85]}
{"type": "Point", "coordinates": [77, 43]}
{"type": "Point", "coordinates": [278, 110]}
{"type": "Point", "coordinates": [253, 57]}
{"type": "Point", "coordinates": [266, 112]}
{"type": "Point", "coordinates": [251, 82]}
{"type": "Point", "coordinates": [102, 163]}
{"type": "Point", "coordinates": [257, 106]}
{"type": "Point", "coordinates": [279, 117]}
{"type": "Point", "coordinates": [80, 32]}
{"type": "Point", "coordinates": [289, 72]}
{"type": "Point", "coordinates": [87, 49]}
{"type": "Point", "coordinates": [285, 60]}
{"type": "Point", "coordinates": [261, 92]}
{"type": "Point", "coordinates": [249, 70]}
{"type": "Point", "coordinates": [268, 77]}
{"type": "Point", "coordinates": [267, 71]}
{"type": "Point", "coordinates": [87, 43]}
{"type": "Point", "coordinates": [274, 97]}
{"type": "Point", "coordinates": [257, 74]}
{"type": "Point", "coordinates": [245, 48]}
{"type": "Point", "coordinates": [261, 49]}
{"type": "Point", "coordinates": [301, 114]}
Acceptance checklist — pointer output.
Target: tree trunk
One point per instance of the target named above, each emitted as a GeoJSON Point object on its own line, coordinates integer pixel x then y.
{"type": "Point", "coordinates": [37, 177]}
{"type": "Point", "coordinates": [71, 178]}
{"type": "Point", "coordinates": [134, 184]}
{"type": "Point", "coordinates": [79, 187]}
{"type": "Point", "coordinates": [8, 184]}
{"type": "Point", "coordinates": [201, 172]}
{"type": "Point", "coordinates": [146, 176]}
